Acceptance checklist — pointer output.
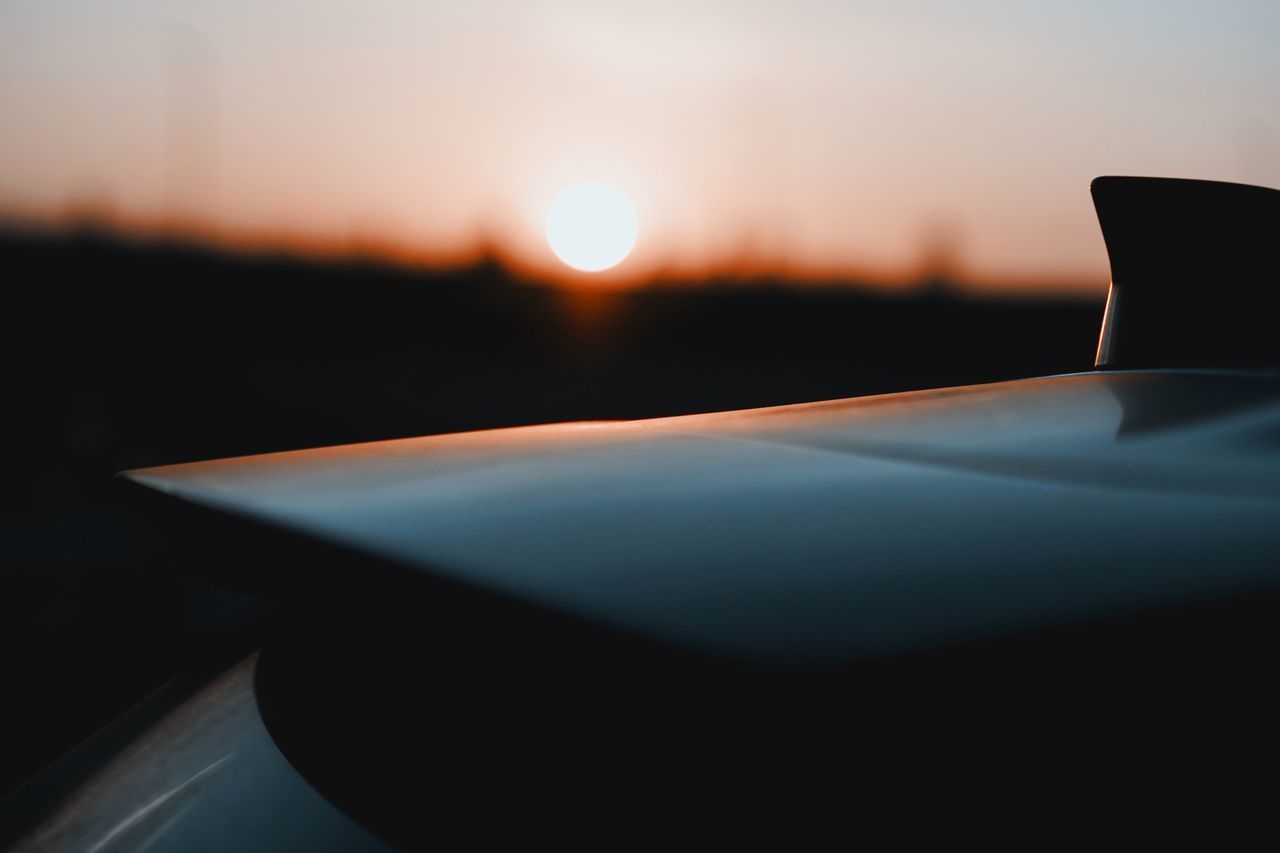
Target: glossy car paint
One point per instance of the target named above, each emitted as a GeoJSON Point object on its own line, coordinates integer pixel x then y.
{"type": "Point", "coordinates": [205, 776]}
{"type": "Point", "coordinates": [820, 533]}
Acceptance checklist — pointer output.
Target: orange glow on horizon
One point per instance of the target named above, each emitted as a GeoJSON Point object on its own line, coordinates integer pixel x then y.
{"type": "Point", "coordinates": [744, 267]}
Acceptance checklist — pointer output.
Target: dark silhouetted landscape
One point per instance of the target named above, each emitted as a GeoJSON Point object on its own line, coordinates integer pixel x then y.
{"type": "Point", "coordinates": [125, 353]}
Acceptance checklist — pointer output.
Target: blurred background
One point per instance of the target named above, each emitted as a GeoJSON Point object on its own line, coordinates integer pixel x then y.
{"type": "Point", "coordinates": [238, 227]}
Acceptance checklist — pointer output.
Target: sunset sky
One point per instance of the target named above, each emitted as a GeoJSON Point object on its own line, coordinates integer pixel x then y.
{"type": "Point", "coordinates": [804, 137]}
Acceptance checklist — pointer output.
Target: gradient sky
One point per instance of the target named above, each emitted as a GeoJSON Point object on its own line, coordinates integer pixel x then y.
{"type": "Point", "coordinates": [804, 136]}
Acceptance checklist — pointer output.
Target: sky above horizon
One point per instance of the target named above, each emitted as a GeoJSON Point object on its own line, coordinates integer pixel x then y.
{"type": "Point", "coordinates": [807, 137]}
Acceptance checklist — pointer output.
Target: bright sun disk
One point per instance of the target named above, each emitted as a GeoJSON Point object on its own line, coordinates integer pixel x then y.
{"type": "Point", "coordinates": [591, 227]}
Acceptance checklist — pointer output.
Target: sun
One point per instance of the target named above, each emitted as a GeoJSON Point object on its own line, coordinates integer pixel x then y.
{"type": "Point", "coordinates": [591, 227]}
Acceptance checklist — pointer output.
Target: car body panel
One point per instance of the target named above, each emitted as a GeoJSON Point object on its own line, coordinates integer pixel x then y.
{"type": "Point", "coordinates": [820, 533]}
{"type": "Point", "coordinates": [205, 777]}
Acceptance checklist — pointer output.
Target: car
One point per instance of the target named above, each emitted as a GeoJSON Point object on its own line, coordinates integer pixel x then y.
{"type": "Point", "coordinates": [616, 630]}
